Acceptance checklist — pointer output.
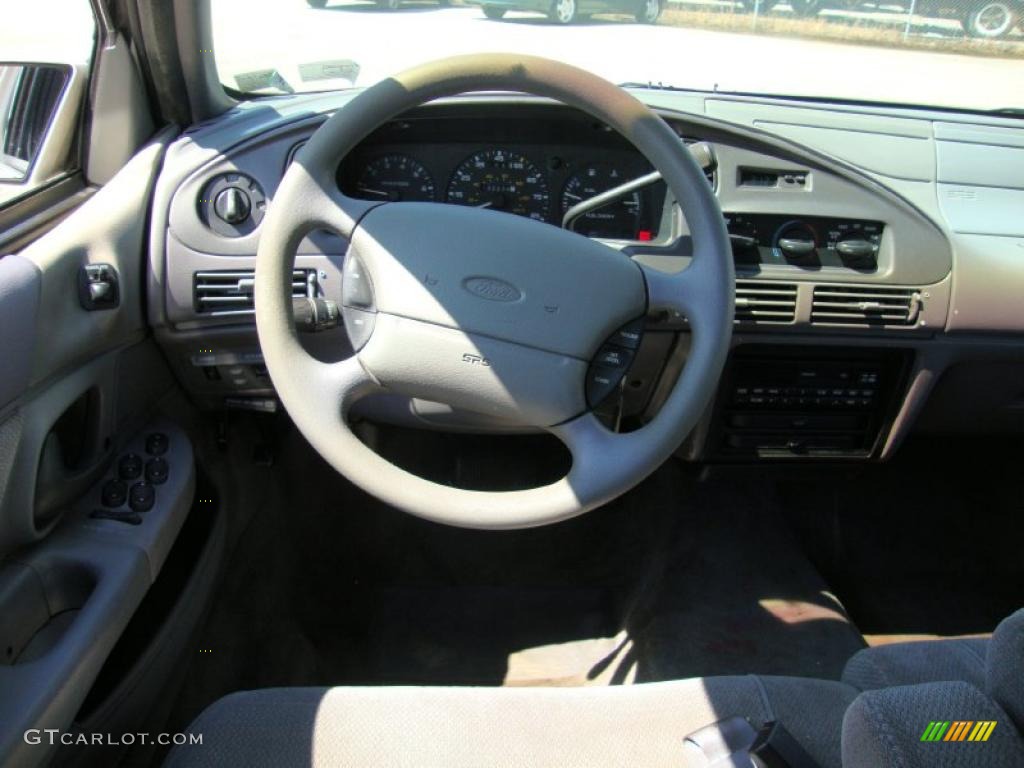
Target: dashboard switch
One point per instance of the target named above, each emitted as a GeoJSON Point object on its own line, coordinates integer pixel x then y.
{"type": "Point", "coordinates": [612, 361]}
{"type": "Point", "coordinates": [629, 335]}
{"type": "Point", "coordinates": [232, 205]}
{"type": "Point", "coordinates": [315, 314]}
{"type": "Point", "coordinates": [601, 382]}
{"type": "Point", "coordinates": [611, 356]}
{"type": "Point", "coordinates": [356, 290]}
{"type": "Point", "coordinates": [359, 325]}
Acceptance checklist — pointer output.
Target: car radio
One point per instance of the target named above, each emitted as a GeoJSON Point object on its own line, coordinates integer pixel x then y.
{"type": "Point", "coordinates": [782, 402]}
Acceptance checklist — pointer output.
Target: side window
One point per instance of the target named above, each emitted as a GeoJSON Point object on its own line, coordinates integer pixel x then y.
{"type": "Point", "coordinates": [42, 87]}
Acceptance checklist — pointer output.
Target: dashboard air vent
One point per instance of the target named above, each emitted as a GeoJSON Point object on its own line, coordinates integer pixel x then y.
{"type": "Point", "coordinates": [866, 306]}
{"type": "Point", "coordinates": [230, 292]}
{"type": "Point", "coordinates": [760, 302]}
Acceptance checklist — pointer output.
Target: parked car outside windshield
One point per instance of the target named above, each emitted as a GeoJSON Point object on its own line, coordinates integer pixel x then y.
{"type": "Point", "coordinates": [821, 49]}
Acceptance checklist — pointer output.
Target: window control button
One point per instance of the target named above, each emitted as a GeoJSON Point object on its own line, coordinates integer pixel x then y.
{"type": "Point", "coordinates": [156, 443]}
{"type": "Point", "coordinates": [156, 471]}
{"type": "Point", "coordinates": [129, 466]}
{"type": "Point", "coordinates": [142, 497]}
{"type": "Point", "coordinates": [114, 493]}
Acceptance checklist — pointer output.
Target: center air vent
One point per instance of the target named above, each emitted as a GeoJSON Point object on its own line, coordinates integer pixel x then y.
{"type": "Point", "coordinates": [866, 306]}
{"type": "Point", "coordinates": [759, 302]}
{"type": "Point", "coordinates": [230, 292]}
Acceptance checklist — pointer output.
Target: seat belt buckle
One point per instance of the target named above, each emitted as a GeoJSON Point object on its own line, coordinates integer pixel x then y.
{"type": "Point", "coordinates": [775, 747]}
{"type": "Point", "coordinates": [735, 743]}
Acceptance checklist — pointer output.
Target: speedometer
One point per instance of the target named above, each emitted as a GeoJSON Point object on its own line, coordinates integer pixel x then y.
{"type": "Point", "coordinates": [502, 180]}
{"type": "Point", "coordinates": [395, 178]}
{"type": "Point", "coordinates": [619, 219]}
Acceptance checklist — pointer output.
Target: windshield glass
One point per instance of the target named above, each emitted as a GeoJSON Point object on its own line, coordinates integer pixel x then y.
{"type": "Point", "coordinates": [961, 54]}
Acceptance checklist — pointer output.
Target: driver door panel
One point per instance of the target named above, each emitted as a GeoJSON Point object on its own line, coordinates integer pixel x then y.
{"type": "Point", "coordinates": [74, 387]}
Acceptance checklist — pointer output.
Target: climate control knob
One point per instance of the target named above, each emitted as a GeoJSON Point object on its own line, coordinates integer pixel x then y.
{"type": "Point", "coordinates": [857, 250]}
{"type": "Point", "coordinates": [797, 242]}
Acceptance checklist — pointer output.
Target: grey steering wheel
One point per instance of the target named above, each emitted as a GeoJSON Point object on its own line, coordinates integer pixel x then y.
{"type": "Point", "coordinates": [487, 311]}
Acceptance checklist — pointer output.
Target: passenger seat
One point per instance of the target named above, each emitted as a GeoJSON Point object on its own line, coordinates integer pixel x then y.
{"type": "Point", "coordinates": [913, 663]}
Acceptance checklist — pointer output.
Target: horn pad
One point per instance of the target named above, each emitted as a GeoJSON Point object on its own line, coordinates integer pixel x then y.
{"type": "Point", "coordinates": [484, 310]}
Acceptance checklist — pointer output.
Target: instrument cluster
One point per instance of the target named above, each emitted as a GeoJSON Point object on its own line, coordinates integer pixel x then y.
{"type": "Point", "coordinates": [538, 181]}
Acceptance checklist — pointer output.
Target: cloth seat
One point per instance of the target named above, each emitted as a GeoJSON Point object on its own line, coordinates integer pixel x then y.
{"type": "Point", "coordinates": [885, 729]}
{"type": "Point", "coordinates": [969, 660]}
{"type": "Point", "coordinates": [920, 661]}
{"type": "Point", "coordinates": [622, 725]}
{"type": "Point", "coordinates": [636, 725]}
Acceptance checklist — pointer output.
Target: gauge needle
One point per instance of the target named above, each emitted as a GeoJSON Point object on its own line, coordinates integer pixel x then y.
{"type": "Point", "coordinates": [488, 204]}
{"type": "Point", "coordinates": [373, 191]}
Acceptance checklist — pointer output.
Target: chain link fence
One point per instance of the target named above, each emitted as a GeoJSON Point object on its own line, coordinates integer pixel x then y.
{"type": "Point", "coordinates": [977, 27]}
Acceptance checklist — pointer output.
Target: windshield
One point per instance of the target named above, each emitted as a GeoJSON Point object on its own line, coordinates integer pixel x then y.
{"type": "Point", "coordinates": [960, 54]}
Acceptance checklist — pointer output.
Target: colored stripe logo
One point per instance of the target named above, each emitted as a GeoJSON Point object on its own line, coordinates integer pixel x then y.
{"type": "Point", "coordinates": [958, 730]}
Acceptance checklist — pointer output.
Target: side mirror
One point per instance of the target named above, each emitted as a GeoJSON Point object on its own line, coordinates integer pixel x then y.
{"type": "Point", "coordinates": [38, 123]}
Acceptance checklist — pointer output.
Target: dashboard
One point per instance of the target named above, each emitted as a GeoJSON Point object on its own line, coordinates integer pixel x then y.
{"type": "Point", "coordinates": [844, 261]}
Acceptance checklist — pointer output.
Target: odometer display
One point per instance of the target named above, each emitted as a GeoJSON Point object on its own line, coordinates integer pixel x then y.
{"type": "Point", "coordinates": [619, 219]}
{"type": "Point", "coordinates": [503, 181]}
{"type": "Point", "coordinates": [395, 178]}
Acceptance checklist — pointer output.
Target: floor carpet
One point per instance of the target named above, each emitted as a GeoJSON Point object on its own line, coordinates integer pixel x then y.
{"type": "Point", "coordinates": [681, 577]}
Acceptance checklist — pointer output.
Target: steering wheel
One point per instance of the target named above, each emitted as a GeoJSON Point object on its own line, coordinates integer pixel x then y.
{"type": "Point", "coordinates": [488, 311]}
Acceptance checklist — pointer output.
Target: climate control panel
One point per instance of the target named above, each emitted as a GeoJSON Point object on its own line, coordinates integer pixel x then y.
{"type": "Point", "coordinates": [810, 242]}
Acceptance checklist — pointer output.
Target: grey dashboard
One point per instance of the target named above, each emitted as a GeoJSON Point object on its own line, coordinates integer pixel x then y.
{"type": "Point", "coordinates": [851, 226]}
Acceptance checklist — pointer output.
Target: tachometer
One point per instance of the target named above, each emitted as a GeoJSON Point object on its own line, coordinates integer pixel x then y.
{"type": "Point", "coordinates": [395, 178]}
{"type": "Point", "coordinates": [502, 180]}
{"type": "Point", "coordinates": [619, 219]}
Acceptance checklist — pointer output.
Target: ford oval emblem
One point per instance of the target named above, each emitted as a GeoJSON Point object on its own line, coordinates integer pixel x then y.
{"type": "Point", "coordinates": [492, 289]}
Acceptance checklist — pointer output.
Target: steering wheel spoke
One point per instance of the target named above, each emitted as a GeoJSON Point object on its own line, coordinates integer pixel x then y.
{"type": "Point", "coordinates": [344, 382]}
{"type": "Point", "coordinates": [695, 292]}
{"type": "Point", "coordinates": [316, 202]}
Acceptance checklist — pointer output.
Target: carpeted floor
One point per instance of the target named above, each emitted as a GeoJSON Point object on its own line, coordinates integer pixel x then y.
{"type": "Point", "coordinates": [739, 595]}
{"type": "Point", "coordinates": [928, 543]}
{"type": "Point", "coordinates": [722, 572]}
{"type": "Point", "coordinates": [679, 578]}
